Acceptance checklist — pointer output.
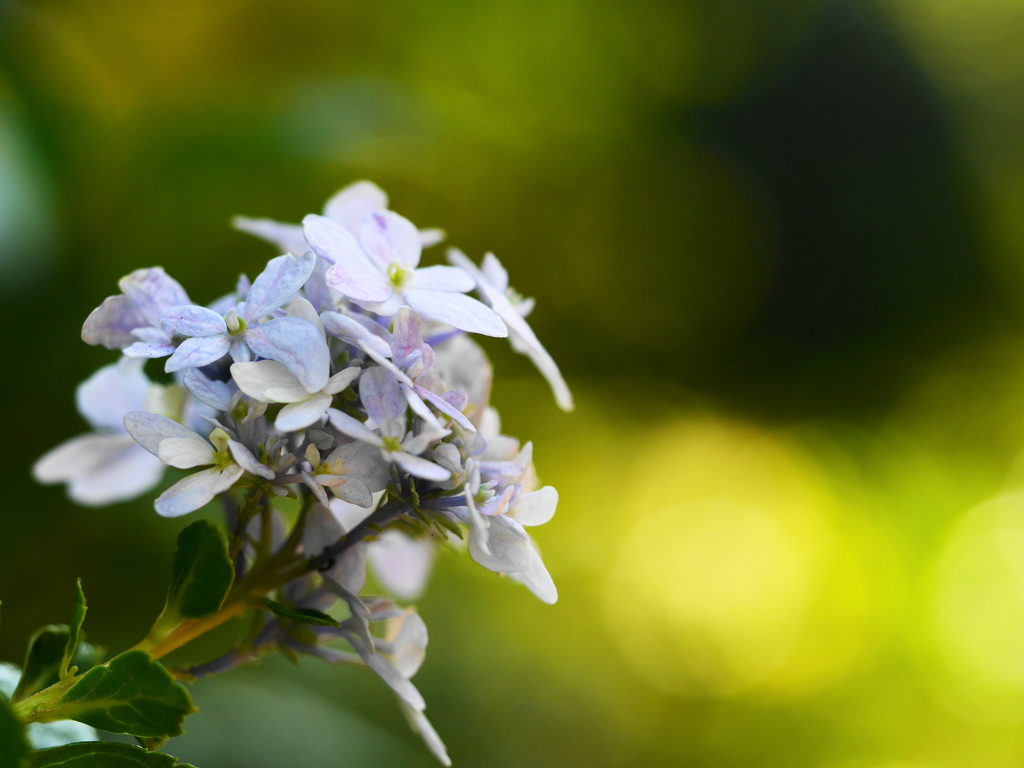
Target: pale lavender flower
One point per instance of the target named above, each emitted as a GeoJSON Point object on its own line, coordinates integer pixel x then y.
{"type": "Point", "coordinates": [132, 319]}
{"type": "Point", "coordinates": [180, 447]}
{"type": "Point", "coordinates": [492, 282]}
{"type": "Point", "coordinates": [386, 405]}
{"type": "Point", "coordinates": [379, 272]}
{"type": "Point", "coordinates": [106, 465]}
{"type": "Point", "coordinates": [292, 341]}
{"type": "Point", "coordinates": [348, 207]}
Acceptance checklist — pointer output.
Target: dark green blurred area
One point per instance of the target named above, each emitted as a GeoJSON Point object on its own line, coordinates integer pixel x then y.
{"type": "Point", "coordinates": [778, 250]}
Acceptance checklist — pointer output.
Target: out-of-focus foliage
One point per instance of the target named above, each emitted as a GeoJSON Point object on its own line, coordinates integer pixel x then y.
{"type": "Point", "coordinates": [777, 248]}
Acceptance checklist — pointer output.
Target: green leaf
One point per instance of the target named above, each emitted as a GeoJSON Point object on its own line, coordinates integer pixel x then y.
{"type": "Point", "coordinates": [201, 576]}
{"type": "Point", "coordinates": [42, 660]}
{"type": "Point", "coordinates": [299, 615]}
{"type": "Point", "coordinates": [100, 754]}
{"type": "Point", "coordinates": [132, 694]}
{"type": "Point", "coordinates": [14, 747]}
{"type": "Point", "coordinates": [74, 633]}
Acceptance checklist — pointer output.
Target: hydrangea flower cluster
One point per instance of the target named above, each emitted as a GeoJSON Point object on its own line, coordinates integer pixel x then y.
{"type": "Point", "coordinates": [338, 405]}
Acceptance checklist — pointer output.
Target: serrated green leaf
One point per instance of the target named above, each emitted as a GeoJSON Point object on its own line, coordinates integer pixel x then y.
{"type": "Point", "coordinates": [75, 629]}
{"type": "Point", "coordinates": [99, 754]}
{"type": "Point", "coordinates": [42, 660]}
{"type": "Point", "coordinates": [299, 615]}
{"type": "Point", "coordinates": [14, 746]}
{"type": "Point", "coordinates": [132, 694]}
{"type": "Point", "coordinates": [202, 572]}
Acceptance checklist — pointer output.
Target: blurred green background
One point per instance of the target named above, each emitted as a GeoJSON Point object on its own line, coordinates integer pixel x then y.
{"type": "Point", "coordinates": [777, 248]}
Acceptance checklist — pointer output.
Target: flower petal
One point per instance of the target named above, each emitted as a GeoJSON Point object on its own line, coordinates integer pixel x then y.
{"type": "Point", "coordinates": [277, 284]}
{"type": "Point", "coordinates": [350, 206]}
{"type": "Point", "coordinates": [195, 491]}
{"type": "Point", "coordinates": [341, 380]}
{"type": "Point", "coordinates": [296, 416]}
{"type": "Point", "coordinates": [382, 396]}
{"type": "Point", "coordinates": [353, 428]}
{"type": "Point", "coordinates": [536, 507]}
{"type": "Point", "coordinates": [152, 291]}
{"type": "Point", "coordinates": [244, 458]}
{"type": "Point", "coordinates": [100, 469]}
{"type": "Point", "coordinates": [498, 547]}
{"type": "Point", "coordinates": [442, 278]}
{"type": "Point", "coordinates": [216, 394]}
{"type": "Point", "coordinates": [114, 390]}
{"type": "Point", "coordinates": [297, 345]}
{"type": "Point", "coordinates": [420, 467]}
{"type": "Point", "coordinates": [195, 353]}
{"type": "Point", "coordinates": [388, 238]}
{"type": "Point", "coordinates": [191, 320]}
{"type": "Point", "coordinates": [352, 272]}
{"type": "Point", "coordinates": [185, 452]}
{"type": "Point", "coordinates": [145, 349]}
{"type": "Point", "coordinates": [445, 407]}
{"type": "Point", "coordinates": [419, 724]}
{"type": "Point", "coordinates": [537, 579]}
{"type": "Point", "coordinates": [457, 310]}
{"type": "Point", "coordinates": [351, 331]}
{"type": "Point", "coordinates": [523, 339]}
{"type": "Point", "coordinates": [150, 429]}
{"type": "Point", "coordinates": [111, 323]}
{"type": "Point", "coordinates": [268, 381]}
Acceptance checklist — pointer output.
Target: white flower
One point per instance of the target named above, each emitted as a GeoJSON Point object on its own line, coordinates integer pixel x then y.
{"type": "Point", "coordinates": [379, 272]}
{"type": "Point", "coordinates": [106, 465]}
{"type": "Point", "coordinates": [492, 281]}
{"type": "Point", "coordinates": [270, 382]}
{"type": "Point", "coordinates": [180, 447]}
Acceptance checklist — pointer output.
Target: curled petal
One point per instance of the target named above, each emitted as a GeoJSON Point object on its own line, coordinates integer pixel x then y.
{"type": "Point", "coordinates": [150, 429]}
